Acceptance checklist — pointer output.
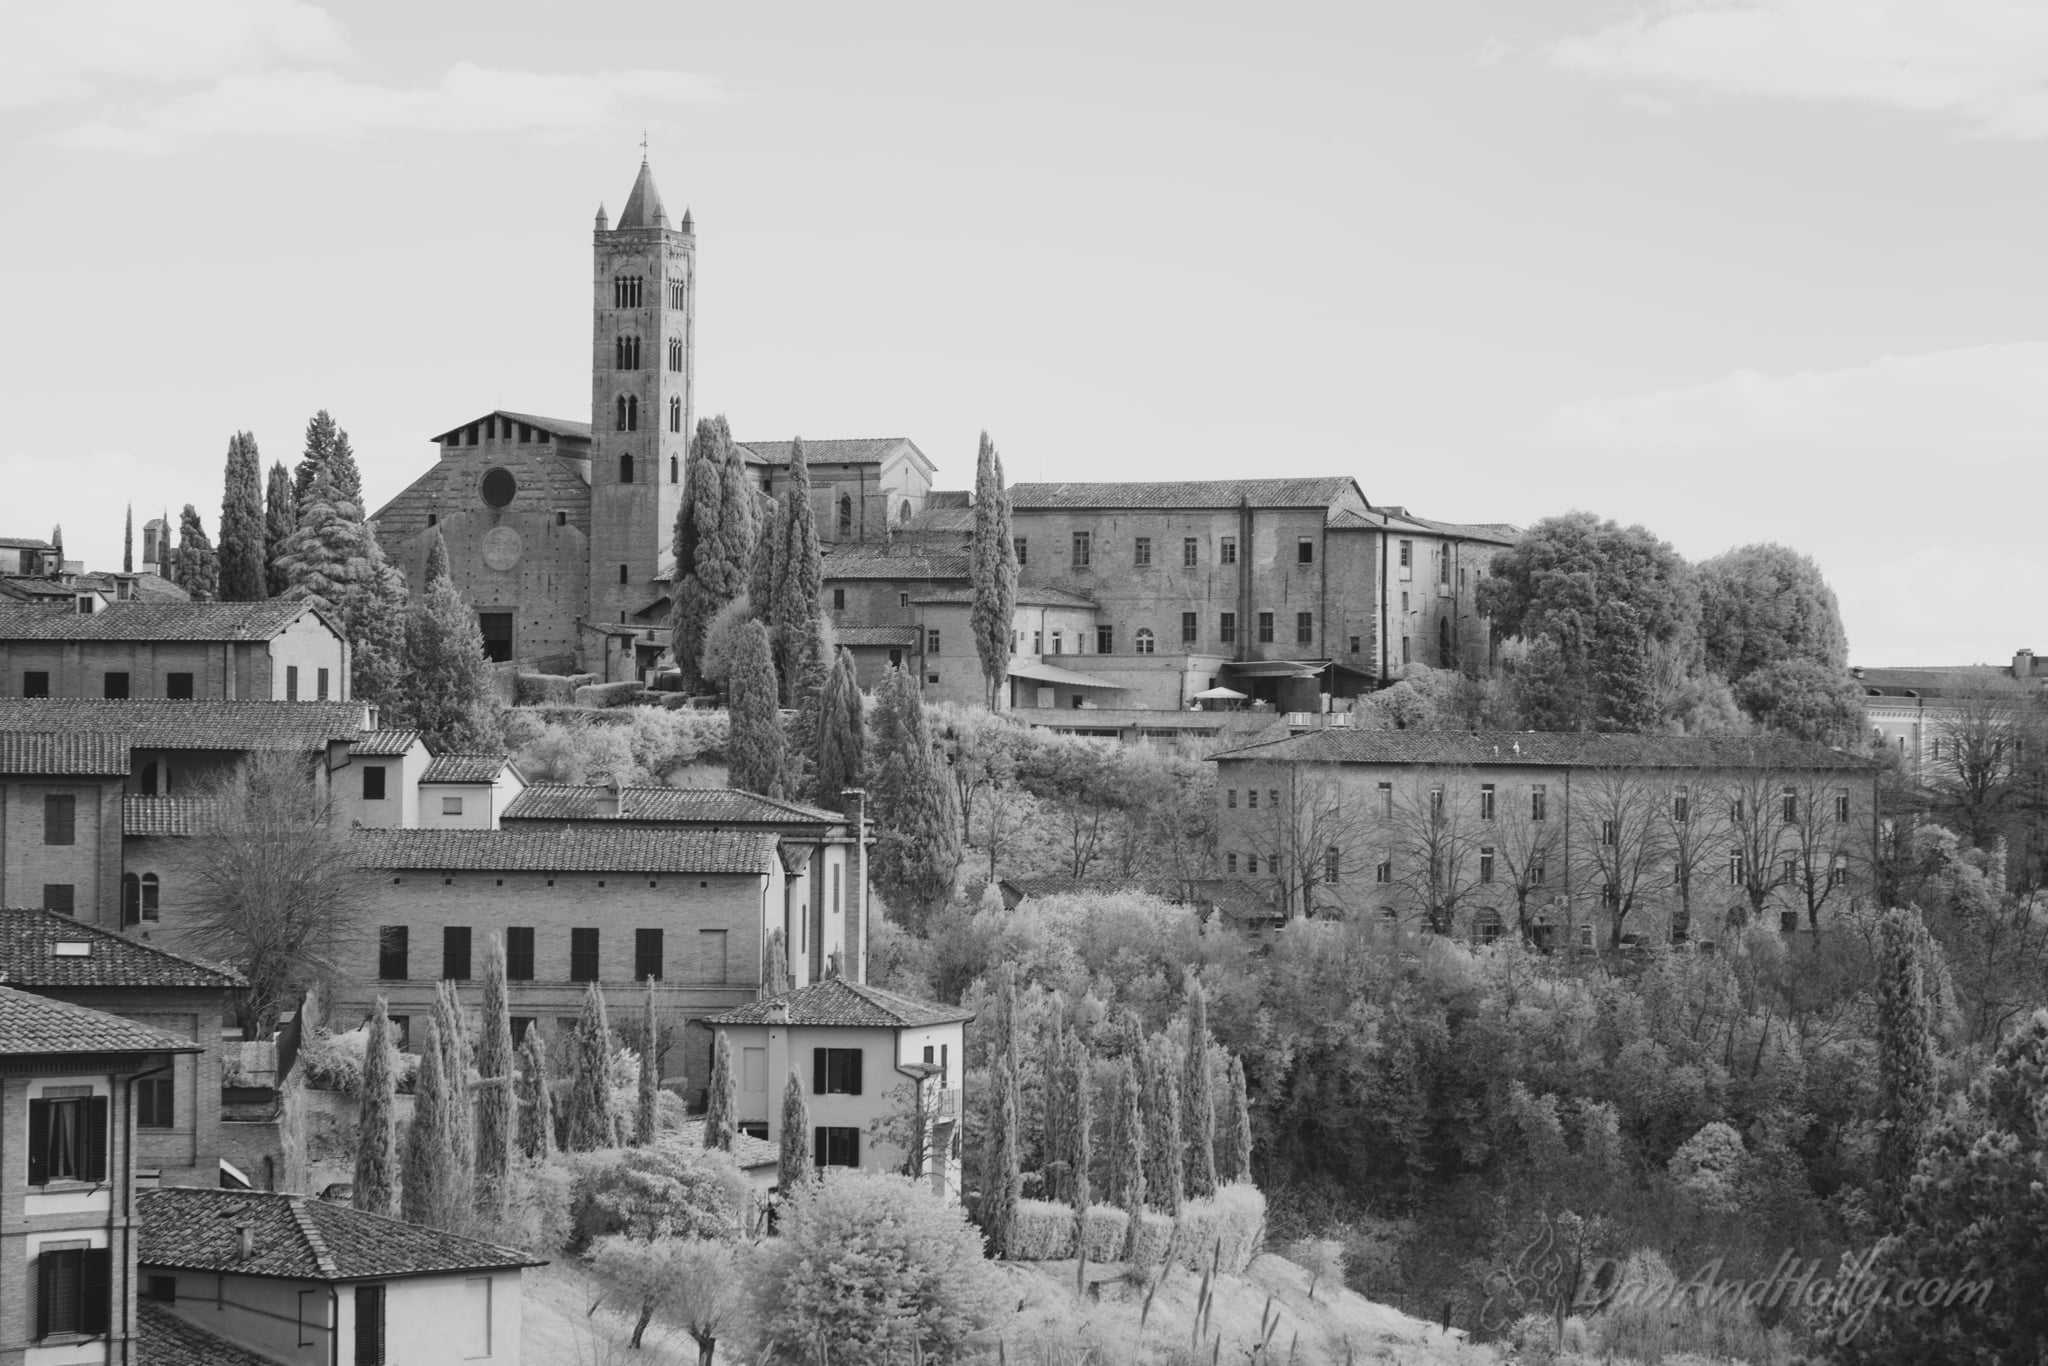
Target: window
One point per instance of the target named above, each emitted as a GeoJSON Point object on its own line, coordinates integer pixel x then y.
{"type": "Point", "coordinates": [1537, 871]}
{"type": "Point", "coordinates": [291, 682]}
{"type": "Point", "coordinates": [74, 1290]}
{"type": "Point", "coordinates": [476, 1318]}
{"type": "Point", "coordinates": [677, 297]}
{"type": "Point", "coordinates": [373, 783]}
{"type": "Point", "coordinates": [1105, 640]}
{"type": "Point", "coordinates": [1486, 864]}
{"type": "Point", "coordinates": [1304, 628]}
{"type": "Point", "coordinates": [148, 780]}
{"type": "Point", "coordinates": [583, 955]}
{"type": "Point", "coordinates": [519, 953]}
{"type": "Point", "coordinates": [1059, 642]}
{"type": "Point", "coordinates": [1332, 860]}
{"type": "Point", "coordinates": [1407, 559]}
{"type": "Point", "coordinates": [393, 942]}
{"type": "Point", "coordinates": [1735, 811]}
{"type": "Point", "coordinates": [1143, 642]}
{"type": "Point", "coordinates": [622, 578]}
{"type": "Point", "coordinates": [931, 641]}
{"type": "Point", "coordinates": [845, 514]}
{"type": "Point", "coordinates": [1735, 870]}
{"type": "Point", "coordinates": [1226, 550]}
{"type": "Point", "coordinates": [61, 897]}
{"type": "Point", "coordinates": [903, 599]}
{"type": "Point", "coordinates": [1404, 602]}
{"type": "Point", "coordinates": [401, 1032]}
{"type": "Point", "coordinates": [675, 346]}
{"type": "Point", "coordinates": [1038, 642]}
{"type": "Point", "coordinates": [162, 1289]}
{"type": "Point", "coordinates": [1443, 642]}
{"type": "Point", "coordinates": [1386, 792]}
{"type": "Point", "coordinates": [675, 424]}
{"type": "Point", "coordinates": [1230, 799]}
{"type": "Point", "coordinates": [1681, 803]}
{"type": "Point", "coordinates": [498, 488]}
{"type": "Point", "coordinates": [835, 1071]}
{"type": "Point", "coordinates": [1791, 802]}
{"type": "Point", "coordinates": [178, 687]}
{"type": "Point", "coordinates": [455, 953]}
{"type": "Point", "coordinates": [836, 1146]}
{"type": "Point", "coordinates": [131, 899]}
{"type": "Point", "coordinates": [67, 1136]}
{"type": "Point", "coordinates": [1539, 803]}
{"type": "Point", "coordinates": [839, 599]}
{"type": "Point", "coordinates": [1838, 871]}
{"type": "Point", "coordinates": [1610, 896]}
{"type": "Point", "coordinates": [60, 819]}
{"type": "Point", "coordinates": [1141, 553]}
{"type": "Point", "coordinates": [626, 353]}
{"type": "Point", "coordinates": [626, 411]}
{"type": "Point", "coordinates": [369, 1325]}
{"type": "Point", "coordinates": [561, 518]}
{"type": "Point", "coordinates": [320, 685]}
{"type": "Point", "coordinates": [625, 469]}
{"type": "Point", "coordinates": [1251, 798]}
{"type": "Point", "coordinates": [1083, 547]}
{"type": "Point", "coordinates": [1188, 628]}
{"type": "Point", "coordinates": [115, 685]}
{"type": "Point", "coordinates": [1190, 552]}
{"type": "Point", "coordinates": [1251, 863]}
{"type": "Point", "coordinates": [1226, 627]}
{"type": "Point", "coordinates": [1609, 832]}
{"type": "Point", "coordinates": [496, 629]}
{"type": "Point", "coordinates": [625, 294]}
{"type": "Point", "coordinates": [1436, 803]}
{"type": "Point", "coordinates": [646, 955]}
{"type": "Point", "coordinates": [35, 683]}
{"type": "Point", "coordinates": [1022, 546]}
{"type": "Point", "coordinates": [1383, 871]}
{"type": "Point", "coordinates": [1305, 551]}
{"type": "Point", "coordinates": [451, 806]}
{"type": "Point", "coordinates": [1842, 804]}
{"type": "Point", "coordinates": [152, 896]}
{"type": "Point", "coordinates": [1486, 801]}
{"type": "Point", "coordinates": [1230, 863]}
{"type": "Point", "coordinates": [154, 1102]}
{"type": "Point", "coordinates": [1354, 644]}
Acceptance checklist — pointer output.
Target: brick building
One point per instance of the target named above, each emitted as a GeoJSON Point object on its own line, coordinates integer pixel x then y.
{"type": "Point", "coordinates": [282, 650]}
{"type": "Point", "coordinates": [861, 489]}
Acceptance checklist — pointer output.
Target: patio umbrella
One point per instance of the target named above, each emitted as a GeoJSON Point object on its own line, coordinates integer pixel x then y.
{"type": "Point", "coordinates": [1220, 695]}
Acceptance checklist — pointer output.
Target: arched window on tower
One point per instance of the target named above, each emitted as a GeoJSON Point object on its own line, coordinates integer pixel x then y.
{"type": "Point", "coordinates": [904, 514]}
{"type": "Point", "coordinates": [627, 352]}
{"type": "Point", "coordinates": [674, 470]}
{"type": "Point", "coordinates": [152, 891]}
{"type": "Point", "coordinates": [619, 411]}
{"type": "Point", "coordinates": [845, 514]}
{"type": "Point", "coordinates": [675, 414]}
{"type": "Point", "coordinates": [632, 413]}
{"type": "Point", "coordinates": [625, 469]}
{"type": "Point", "coordinates": [675, 353]}
{"type": "Point", "coordinates": [131, 899]}
{"type": "Point", "coordinates": [148, 783]}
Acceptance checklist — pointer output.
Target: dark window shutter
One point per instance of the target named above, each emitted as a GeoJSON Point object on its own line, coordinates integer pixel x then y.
{"type": "Point", "coordinates": [95, 1291]}
{"type": "Point", "coordinates": [853, 1147]}
{"type": "Point", "coordinates": [369, 1325]}
{"type": "Point", "coordinates": [46, 1291]}
{"type": "Point", "coordinates": [853, 1057]}
{"type": "Point", "coordinates": [821, 1070]}
{"type": "Point", "coordinates": [821, 1148]}
{"type": "Point", "coordinates": [94, 1168]}
{"type": "Point", "coordinates": [39, 1143]}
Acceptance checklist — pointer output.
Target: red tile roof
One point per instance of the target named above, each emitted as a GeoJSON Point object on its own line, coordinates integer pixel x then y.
{"type": "Point", "coordinates": [77, 754]}
{"type": "Point", "coordinates": [566, 850]}
{"type": "Point", "coordinates": [161, 817]}
{"type": "Point", "coordinates": [44, 950]}
{"type": "Point", "coordinates": [296, 1237]}
{"type": "Point", "coordinates": [836, 1002]}
{"type": "Point", "coordinates": [35, 1026]}
{"type": "Point", "coordinates": [681, 805]}
{"type": "Point", "coordinates": [1189, 493]}
{"type": "Point", "coordinates": [168, 1340]}
{"type": "Point", "coordinates": [160, 621]}
{"type": "Point", "coordinates": [209, 725]}
{"type": "Point", "coordinates": [464, 768]}
{"type": "Point", "coordinates": [864, 450]}
{"type": "Point", "coordinates": [1565, 749]}
{"type": "Point", "coordinates": [385, 744]}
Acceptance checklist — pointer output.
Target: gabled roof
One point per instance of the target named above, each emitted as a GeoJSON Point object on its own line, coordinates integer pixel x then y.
{"type": "Point", "coordinates": [31, 957]}
{"type": "Point", "coordinates": [553, 426]}
{"type": "Point", "coordinates": [858, 450]}
{"type": "Point", "coordinates": [74, 754]}
{"type": "Point", "coordinates": [643, 205]}
{"type": "Point", "coordinates": [35, 1026]}
{"type": "Point", "coordinates": [153, 621]}
{"type": "Point", "coordinates": [384, 744]}
{"type": "Point", "coordinates": [836, 1002]}
{"type": "Point", "coordinates": [296, 1237]}
{"type": "Point", "coordinates": [1189, 493]}
{"type": "Point", "coordinates": [160, 817]}
{"type": "Point", "coordinates": [465, 768]}
{"type": "Point", "coordinates": [153, 723]}
{"type": "Point", "coordinates": [567, 850]}
{"type": "Point", "coordinates": [1570, 749]}
{"type": "Point", "coordinates": [682, 805]}
{"type": "Point", "coordinates": [24, 543]}
{"type": "Point", "coordinates": [898, 563]}
{"type": "Point", "coordinates": [169, 1340]}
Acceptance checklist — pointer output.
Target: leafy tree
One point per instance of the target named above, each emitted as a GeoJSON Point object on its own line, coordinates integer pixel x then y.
{"type": "Point", "coordinates": [377, 1121]}
{"type": "Point", "coordinates": [1628, 858]}
{"type": "Point", "coordinates": [1166, 1153]}
{"type": "Point", "coordinates": [994, 571]}
{"type": "Point", "coordinates": [1610, 600]}
{"type": "Point", "coordinates": [1803, 699]}
{"type": "Point", "coordinates": [280, 519]}
{"type": "Point", "coordinates": [275, 890]}
{"type": "Point", "coordinates": [1435, 847]}
{"type": "Point", "coordinates": [1763, 605]}
{"type": "Point", "coordinates": [332, 559]}
{"type": "Point", "coordinates": [241, 524]}
{"type": "Point", "coordinates": [1906, 1075]}
{"type": "Point", "coordinates": [128, 542]}
{"type": "Point", "coordinates": [496, 1118]}
{"type": "Point", "coordinates": [445, 691]}
{"type": "Point", "coordinates": [714, 540]}
{"type": "Point", "coordinates": [842, 734]}
{"type": "Point", "coordinates": [590, 1097]}
{"type": "Point", "coordinates": [430, 1190]}
{"type": "Point", "coordinates": [536, 1099]}
{"type": "Point", "coordinates": [647, 1115]}
{"type": "Point", "coordinates": [1127, 1145]}
{"type": "Point", "coordinates": [663, 1191]}
{"type": "Point", "coordinates": [917, 845]}
{"type": "Point", "coordinates": [754, 757]}
{"type": "Point", "coordinates": [1234, 1129]}
{"type": "Point", "coordinates": [1197, 1104]}
{"type": "Point", "coordinates": [908, 1278]}
{"type": "Point", "coordinates": [692, 1283]}
{"type": "Point", "coordinates": [197, 566]}
{"type": "Point", "coordinates": [793, 1168]}
{"type": "Point", "coordinates": [722, 1098]}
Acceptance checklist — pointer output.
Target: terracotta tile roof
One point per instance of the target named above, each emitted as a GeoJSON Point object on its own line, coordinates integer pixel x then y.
{"type": "Point", "coordinates": [212, 725]}
{"type": "Point", "coordinates": [385, 744]}
{"type": "Point", "coordinates": [854, 637]}
{"type": "Point", "coordinates": [1562, 749]}
{"type": "Point", "coordinates": [865, 450]}
{"type": "Point", "coordinates": [168, 1340]}
{"type": "Point", "coordinates": [24, 543]}
{"type": "Point", "coordinates": [80, 754]}
{"type": "Point", "coordinates": [566, 850]}
{"type": "Point", "coordinates": [299, 1238]}
{"type": "Point", "coordinates": [682, 805]}
{"type": "Point", "coordinates": [836, 1002]}
{"type": "Point", "coordinates": [747, 1150]}
{"type": "Point", "coordinates": [159, 621]}
{"type": "Point", "coordinates": [1399, 519]}
{"type": "Point", "coordinates": [36, 1026]}
{"type": "Point", "coordinates": [1028, 595]}
{"type": "Point", "coordinates": [163, 817]}
{"type": "Point", "coordinates": [30, 957]}
{"type": "Point", "coordinates": [944, 520]}
{"type": "Point", "coordinates": [464, 768]}
{"type": "Point", "coordinates": [1189, 493]}
{"type": "Point", "coordinates": [896, 563]}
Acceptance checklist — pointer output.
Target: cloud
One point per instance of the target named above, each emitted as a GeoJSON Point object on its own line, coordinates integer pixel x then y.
{"type": "Point", "coordinates": [73, 49]}
{"type": "Point", "coordinates": [468, 99]}
{"type": "Point", "coordinates": [1983, 405]}
{"type": "Point", "coordinates": [1981, 62]}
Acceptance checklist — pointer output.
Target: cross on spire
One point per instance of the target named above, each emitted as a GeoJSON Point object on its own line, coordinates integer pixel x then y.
{"type": "Point", "coordinates": [643, 144]}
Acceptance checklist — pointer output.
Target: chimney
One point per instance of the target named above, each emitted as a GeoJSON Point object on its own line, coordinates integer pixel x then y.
{"type": "Point", "coordinates": [611, 797]}
{"type": "Point", "coordinates": [2023, 665]}
{"type": "Point", "coordinates": [245, 1243]}
{"type": "Point", "coordinates": [854, 801]}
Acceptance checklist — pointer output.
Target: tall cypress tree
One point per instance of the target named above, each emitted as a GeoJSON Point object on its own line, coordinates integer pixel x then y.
{"type": "Point", "coordinates": [917, 844]}
{"type": "Point", "coordinates": [198, 566]}
{"type": "Point", "coordinates": [722, 1098]}
{"type": "Point", "coordinates": [775, 982]}
{"type": "Point", "coordinates": [437, 561]}
{"type": "Point", "coordinates": [241, 523]}
{"type": "Point", "coordinates": [994, 571]}
{"type": "Point", "coordinates": [842, 734]}
{"type": "Point", "coordinates": [1197, 1104]}
{"type": "Point", "coordinates": [647, 1115]}
{"type": "Point", "coordinates": [1127, 1147]}
{"type": "Point", "coordinates": [496, 1119]}
{"type": "Point", "coordinates": [1905, 1050]}
{"type": "Point", "coordinates": [794, 1167]}
{"type": "Point", "coordinates": [317, 457]}
{"type": "Point", "coordinates": [754, 755]}
{"type": "Point", "coordinates": [280, 519]}
{"type": "Point", "coordinates": [1055, 1136]}
{"type": "Point", "coordinates": [590, 1125]}
{"type": "Point", "coordinates": [332, 559]}
{"type": "Point", "coordinates": [128, 543]}
{"type": "Point", "coordinates": [800, 588]}
{"type": "Point", "coordinates": [1002, 1183]}
{"type": "Point", "coordinates": [376, 1185]}
{"type": "Point", "coordinates": [429, 1154]}
{"type": "Point", "coordinates": [1080, 1081]}
{"type": "Point", "coordinates": [1234, 1129]}
{"type": "Point", "coordinates": [445, 689]}
{"type": "Point", "coordinates": [1165, 1150]}
{"type": "Point", "coordinates": [536, 1099]}
{"type": "Point", "coordinates": [453, 1028]}
{"type": "Point", "coordinates": [715, 549]}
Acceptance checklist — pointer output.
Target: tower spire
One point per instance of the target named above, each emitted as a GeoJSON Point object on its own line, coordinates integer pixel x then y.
{"type": "Point", "coordinates": [643, 206]}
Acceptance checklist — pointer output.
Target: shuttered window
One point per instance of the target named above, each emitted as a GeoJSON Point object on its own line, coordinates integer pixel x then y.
{"type": "Point", "coordinates": [835, 1071]}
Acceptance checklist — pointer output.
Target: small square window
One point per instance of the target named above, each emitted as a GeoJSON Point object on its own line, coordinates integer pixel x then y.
{"type": "Point", "coordinates": [61, 897]}
{"type": "Point", "coordinates": [35, 683]}
{"type": "Point", "coordinates": [373, 783]}
{"type": "Point", "coordinates": [1141, 553]}
{"type": "Point", "coordinates": [115, 686]}
{"type": "Point", "coordinates": [1305, 551]}
{"type": "Point", "coordinates": [451, 806]}
{"type": "Point", "coordinates": [1227, 550]}
{"type": "Point", "coordinates": [839, 599]}
{"type": "Point", "coordinates": [178, 687]}
{"type": "Point", "coordinates": [1190, 551]}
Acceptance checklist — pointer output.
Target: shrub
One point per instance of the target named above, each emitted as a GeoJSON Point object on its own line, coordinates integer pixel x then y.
{"type": "Point", "coordinates": [660, 1191]}
{"type": "Point", "coordinates": [607, 694]}
{"type": "Point", "coordinates": [555, 689]}
{"type": "Point", "coordinates": [1710, 1165]}
{"type": "Point", "coordinates": [1044, 1231]}
{"type": "Point", "coordinates": [872, 1269]}
{"type": "Point", "coordinates": [334, 1062]}
{"type": "Point", "coordinates": [1107, 1226]}
{"type": "Point", "coordinates": [1155, 1236]}
{"type": "Point", "coordinates": [1234, 1218]}
{"type": "Point", "coordinates": [537, 1210]}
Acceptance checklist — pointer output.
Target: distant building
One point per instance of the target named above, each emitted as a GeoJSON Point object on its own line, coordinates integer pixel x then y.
{"type": "Point", "coordinates": [281, 651]}
{"type": "Point", "coordinates": [1908, 710]}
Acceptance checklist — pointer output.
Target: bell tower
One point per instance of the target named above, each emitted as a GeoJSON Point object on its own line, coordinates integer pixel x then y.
{"type": "Point", "coordinates": [642, 372]}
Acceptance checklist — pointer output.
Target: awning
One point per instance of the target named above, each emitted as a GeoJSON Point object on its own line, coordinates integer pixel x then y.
{"type": "Point", "coordinates": [1277, 668]}
{"type": "Point", "coordinates": [1046, 673]}
{"type": "Point", "coordinates": [1219, 695]}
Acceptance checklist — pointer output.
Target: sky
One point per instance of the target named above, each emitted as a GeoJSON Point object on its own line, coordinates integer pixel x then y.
{"type": "Point", "coordinates": [1736, 270]}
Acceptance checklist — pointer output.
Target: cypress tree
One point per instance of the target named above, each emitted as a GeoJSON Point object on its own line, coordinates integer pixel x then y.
{"type": "Point", "coordinates": [1080, 1068]}
{"type": "Point", "coordinates": [437, 561]}
{"type": "Point", "coordinates": [1905, 1051]}
{"type": "Point", "coordinates": [794, 1169]}
{"type": "Point", "coordinates": [318, 458]}
{"type": "Point", "coordinates": [280, 519]}
{"type": "Point", "coordinates": [1166, 1150]}
{"type": "Point", "coordinates": [775, 982]}
{"type": "Point", "coordinates": [1002, 1182]}
{"type": "Point", "coordinates": [341, 462]}
{"type": "Point", "coordinates": [429, 1155]}
{"type": "Point", "coordinates": [647, 1118]}
{"type": "Point", "coordinates": [715, 550]}
{"type": "Point", "coordinates": [754, 755]}
{"type": "Point", "coordinates": [994, 572]}
{"type": "Point", "coordinates": [455, 1065]}
{"type": "Point", "coordinates": [590, 1124]}
{"type": "Point", "coordinates": [1234, 1129]}
{"type": "Point", "coordinates": [128, 543]}
{"type": "Point", "coordinates": [842, 734]}
{"type": "Point", "coordinates": [916, 845]}
{"type": "Point", "coordinates": [241, 523]}
{"type": "Point", "coordinates": [1127, 1147]}
{"type": "Point", "coordinates": [332, 559]}
{"type": "Point", "coordinates": [1056, 1137]}
{"type": "Point", "coordinates": [1197, 1104]}
{"type": "Point", "coordinates": [536, 1099]}
{"type": "Point", "coordinates": [377, 1120]}
{"type": "Point", "coordinates": [799, 587]}
{"type": "Point", "coordinates": [198, 566]}
{"type": "Point", "coordinates": [722, 1098]}
{"type": "Point", "coordinates": [495, 1104]}
{"type": "Point", "coordinates": [445, 690]}
{"type": "Point", "coordinates": [817, 648]}
{"type": "Point", "coordinates": [57, 541]}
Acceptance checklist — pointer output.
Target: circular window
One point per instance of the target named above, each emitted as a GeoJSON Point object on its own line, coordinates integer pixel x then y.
{"type": "Point", "coordinates": [499, 486]}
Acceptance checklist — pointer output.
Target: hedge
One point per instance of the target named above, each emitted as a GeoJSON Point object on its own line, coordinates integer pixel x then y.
{"type": "Point", "coordinates": [608, 694]}
{"type": "Point", "coordinates": [1235, 1215]}
{"type": "Point", "coordinates": [1155, 1236]}
{"type": "Point", "coordinates": [1044, 1232]}
{"type": "Point", "coordinates": [558, 689]}
{"type": "Point", "coordinates": [1107, 1226]}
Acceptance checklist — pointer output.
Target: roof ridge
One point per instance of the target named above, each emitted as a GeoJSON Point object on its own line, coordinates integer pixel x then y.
{"type": "Point", "coordinates": [316, 1242]}
{"type": "Point", "coordinates": [73, 925]}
